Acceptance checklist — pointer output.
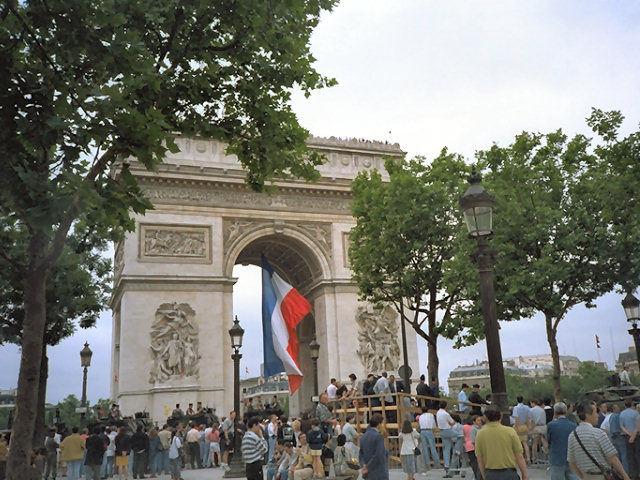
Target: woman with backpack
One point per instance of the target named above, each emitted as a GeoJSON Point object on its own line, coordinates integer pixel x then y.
{"type": "Point", "coordinates": [175, 456]}
{"type": "Point", "coordinates": [342, 458]}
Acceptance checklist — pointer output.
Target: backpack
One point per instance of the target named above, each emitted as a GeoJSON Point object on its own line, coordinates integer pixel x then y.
{"type": "Point", "coordinates": [287, 433]}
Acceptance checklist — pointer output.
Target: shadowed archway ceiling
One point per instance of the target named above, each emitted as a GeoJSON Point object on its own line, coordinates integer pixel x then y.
{"type": "Point", "coordinates": [293, 261]}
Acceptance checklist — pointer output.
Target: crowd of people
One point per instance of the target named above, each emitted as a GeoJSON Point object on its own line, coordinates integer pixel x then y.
{"type": "Point", "coordinates": [578, 442]}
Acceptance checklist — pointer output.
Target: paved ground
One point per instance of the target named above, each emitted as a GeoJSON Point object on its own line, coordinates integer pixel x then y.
{"type": "Point", "coordinates": [537, 472]}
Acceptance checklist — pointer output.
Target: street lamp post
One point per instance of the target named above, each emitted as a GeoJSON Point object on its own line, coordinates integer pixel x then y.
{"type": "Point", "coordinates": [85, 362]}
{"type": "Point", "coordinates": [631, 307]}
{"type": "Point", "coordinates": [236, 468]}
{"type": "Point", "coordinates": [314, 352]}
{"type": "Point", "coordinates": [477, 206]}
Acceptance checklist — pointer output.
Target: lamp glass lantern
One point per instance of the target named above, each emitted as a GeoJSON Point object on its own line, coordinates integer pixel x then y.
{"type": "Point", "coordinates": [85, 355]}
{"type": "Point", "coordinates": [314, 349]}
{"type": "Point", "coordinates": [477, 207]}
{"type": "Point", "coordinates": [236, 332]}
{"type": "Point", "coordinates": [631, 307]}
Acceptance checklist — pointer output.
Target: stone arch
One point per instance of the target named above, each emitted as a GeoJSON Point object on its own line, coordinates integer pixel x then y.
{"type": "Point", "coordinates": [308, 264]}
{"type": "Point", "coordinates": [205, 221]}
{"type": "Point", "coordinates": [300, 261]}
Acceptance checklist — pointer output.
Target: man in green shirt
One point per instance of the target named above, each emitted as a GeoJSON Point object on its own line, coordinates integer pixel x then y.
{"type": "Point", "coordinates": [499, 450]}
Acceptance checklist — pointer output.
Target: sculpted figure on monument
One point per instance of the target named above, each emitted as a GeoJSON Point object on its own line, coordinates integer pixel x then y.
{"type": "Point", "coordinates": [377, 338]}
{"type": "Point", "coordinates": [174, 343]}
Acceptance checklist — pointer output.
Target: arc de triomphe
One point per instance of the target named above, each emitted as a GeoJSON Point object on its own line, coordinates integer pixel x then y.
{"type": "Point", "coordinates": [172, 303]}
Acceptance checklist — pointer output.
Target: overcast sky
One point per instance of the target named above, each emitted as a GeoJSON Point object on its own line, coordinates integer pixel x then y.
{"type": "Point", "coordinates": [427, 75]}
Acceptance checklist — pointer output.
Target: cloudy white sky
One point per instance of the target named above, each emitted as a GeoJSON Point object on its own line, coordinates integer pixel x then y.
{"type": "Point", "coordinates": [430, 74]}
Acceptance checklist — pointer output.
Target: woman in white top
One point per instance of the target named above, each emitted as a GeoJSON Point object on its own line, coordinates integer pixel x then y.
{"type": "Point", "coordinates": [410, 441]}
{"type": "Point", "coordinates": [445, 422]}
{"type": "Point", "coordinates": [351, 436]}
{"type": "Point", "coordinates": [174, 456]}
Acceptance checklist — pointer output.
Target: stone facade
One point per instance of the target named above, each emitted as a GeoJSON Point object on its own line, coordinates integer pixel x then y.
{"type": "Point", "coordinates": [173, 276]}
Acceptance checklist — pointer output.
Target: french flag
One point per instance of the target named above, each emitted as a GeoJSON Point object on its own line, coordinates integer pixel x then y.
{"type": "Point", "coordinates": [282, 309]}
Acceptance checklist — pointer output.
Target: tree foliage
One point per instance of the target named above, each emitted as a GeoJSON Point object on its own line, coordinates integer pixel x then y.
{"type": "Point", "coordinates": [84, 85]}
{"type": "Point", "coordinates": [555, 246]}
{"type": "Point", "coordinates": [77, 292]}
{"type": "Point", "coordinates": [405, 235]}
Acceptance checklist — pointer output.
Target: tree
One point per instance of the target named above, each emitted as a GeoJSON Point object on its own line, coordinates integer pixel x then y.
{"type": "Point", "coordinates": [84, 85]}
{"type": "Point", "coordinates": [76, 293]}
{"type": "Point", "coordinates": [405, 235]}
{"type": "Point", "coordinates": [618, 194]}
{"type": "Point", "coordinates": [552, 243]}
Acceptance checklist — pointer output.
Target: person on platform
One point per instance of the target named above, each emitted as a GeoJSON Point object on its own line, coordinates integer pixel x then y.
{"type": "Point", "coordinates": [474, 397]}
{"type": "Point", "coordinates": [177, 412]}
{"type": "Point", "coordinates": [332, 389]}
{"type": "Point", "coordinates": [463, 399]}
{"type": "Point", "coordinates": [115, 413]}
{"type": "Point", "coordinates": [423, 390]}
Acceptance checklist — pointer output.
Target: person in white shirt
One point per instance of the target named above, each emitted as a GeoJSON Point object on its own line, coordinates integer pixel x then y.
{"type": "Point", "coordinates": [445, 422]}
{"type": "Point", "coordinates": [332, 389]}
{"type": "Point", "coordinates": [272, 431]}
{"type": "Point", "coordinates": [537, 428]}
{"type": "Point", "coordinates": [174, 456]}
{"type": "Point", "coordinates": [427, 423]}
{"type": "Point", "coordinates": [624, 377]}
{"type": "Point", "coordinates": [382, 386]}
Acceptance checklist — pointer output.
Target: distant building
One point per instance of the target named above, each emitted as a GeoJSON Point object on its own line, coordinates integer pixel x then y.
{"type": "Point", "coordinates": [478, 373]}
{"type": "Point", "coordinates": [630, 359]}
{"type": "Point", "coordinates": [265, 389]}
{"type": "Point", "coordinates": [8, 397]}
{"type": "Point", "coordinates": [534, 366]}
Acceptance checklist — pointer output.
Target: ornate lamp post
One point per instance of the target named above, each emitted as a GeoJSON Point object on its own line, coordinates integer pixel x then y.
{"type": "Point", "coordinates": [236, 467]}
{"type": "Point", "coordinates": [85, 362]}
{"type": "Point", "coordinates": [477, 206]}
{"type": "Point", "coordinates": [631, 307]}
{"type": "Point", "coordinates": [314, 352]}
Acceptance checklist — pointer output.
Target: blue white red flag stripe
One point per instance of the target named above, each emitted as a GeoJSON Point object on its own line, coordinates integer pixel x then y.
{"type": "Point", "coordinates": [282, 309]}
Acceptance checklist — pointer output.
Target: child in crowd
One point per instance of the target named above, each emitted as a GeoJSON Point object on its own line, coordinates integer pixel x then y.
{"type": "Point", "coordinates": [316, 438]}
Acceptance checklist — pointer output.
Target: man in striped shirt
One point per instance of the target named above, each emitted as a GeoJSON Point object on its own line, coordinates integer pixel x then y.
{"type": "Point", "coordinates": [596, 442]}
{"type": "Point", "coordinates": [254, 447]}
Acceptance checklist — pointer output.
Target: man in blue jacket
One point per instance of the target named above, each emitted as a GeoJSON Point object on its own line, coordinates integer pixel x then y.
{"type": "Point", "coordinates": [374, 458]}
{"type": "Point", "coordinates": [558, 432]}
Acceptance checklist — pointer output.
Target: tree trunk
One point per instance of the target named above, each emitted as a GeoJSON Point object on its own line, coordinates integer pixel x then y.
{"type": "Point", "coordinates": [39, 432]}
{"type": "Point", "coordinates": [433, 362]}
{"type": "Point", "coordinates": [555, 357]}
{"type": "Point", "coordinates": [28, 380]}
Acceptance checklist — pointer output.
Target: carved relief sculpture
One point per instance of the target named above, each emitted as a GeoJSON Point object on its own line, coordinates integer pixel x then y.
{"type": "Point", "coordinates": [174, 343]}
{"type": "Point", "coordinates": [174, 243]}
{"type": "Point", "coordinates": [378, 338]}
